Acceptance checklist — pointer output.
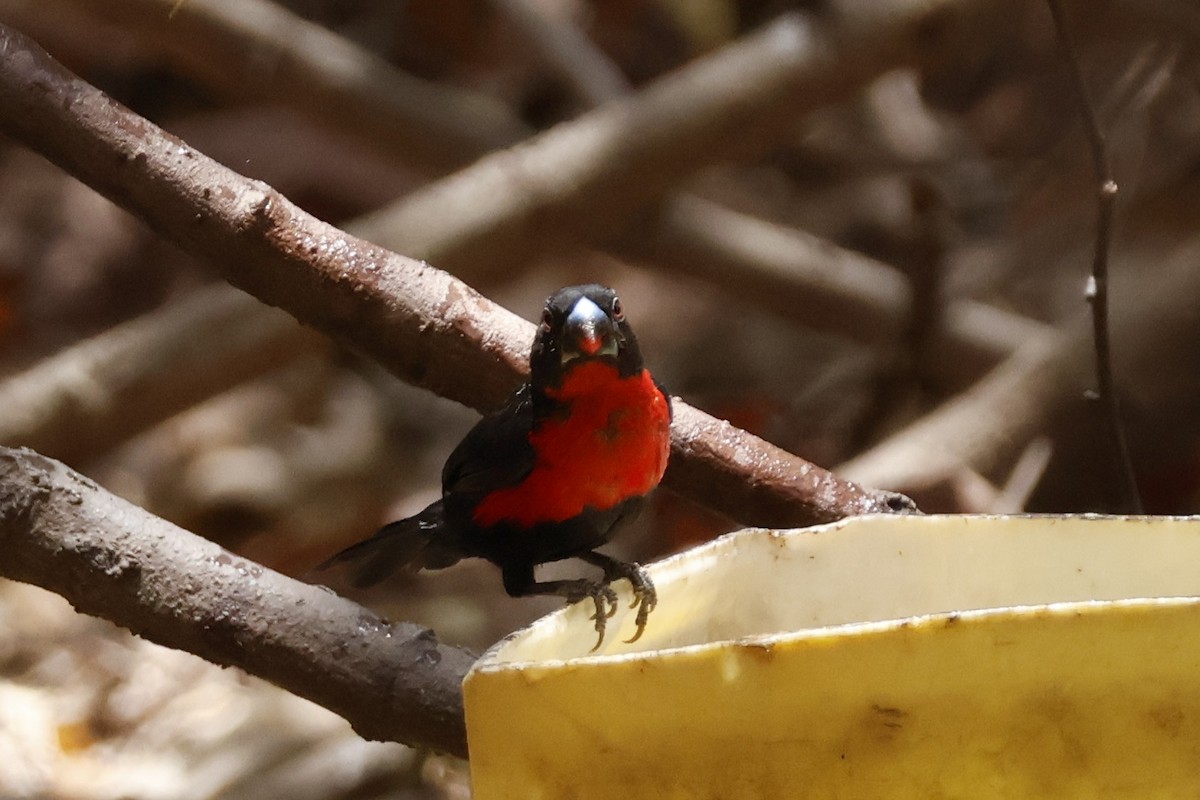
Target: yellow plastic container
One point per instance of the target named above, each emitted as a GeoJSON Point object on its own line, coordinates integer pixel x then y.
{"type": "Point", "coordinates": [880, 657]}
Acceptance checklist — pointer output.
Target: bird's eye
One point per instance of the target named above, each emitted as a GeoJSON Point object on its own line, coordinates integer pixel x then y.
{"type": "Point", "coordinates": [547, 319]}
{"type": "Point", "coordinates": [618, 312]}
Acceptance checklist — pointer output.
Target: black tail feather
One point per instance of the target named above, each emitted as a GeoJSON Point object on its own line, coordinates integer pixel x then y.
{"type": "Point", "coordinates": [417, 542]}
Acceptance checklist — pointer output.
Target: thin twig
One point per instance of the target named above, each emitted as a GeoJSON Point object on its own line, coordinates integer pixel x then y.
{"type": "Point", "coordinates": [1097, 287]}
{"type": "Point", "coordinates": [109, 558]}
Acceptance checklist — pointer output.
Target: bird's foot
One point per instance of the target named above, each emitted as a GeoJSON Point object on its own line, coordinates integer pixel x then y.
{"type": "Point", "coordinates": [605, 600]}
{"type": "Point", "coordinates": [645, 597]}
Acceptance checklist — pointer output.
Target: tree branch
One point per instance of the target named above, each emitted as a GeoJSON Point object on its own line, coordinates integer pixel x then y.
{"type": "Point", "coordinates": [391, 681]}
{"type": "Point", "coordinates": [254, 48]}
{"type": "Point", "coordinates": [987, 426]}
{"type": "Point", "coordinates": [421, 323]}
{"type": "Point", "coordinates": [565, 51]}
{"type": "Point", "coordinates": [813, 281]}
{"type": "Point", "coordinates": [98, 392]}
{"type": "Point", "coordinates": [587, 179]}
{"type": "Point", "coordinates": [981, 427]}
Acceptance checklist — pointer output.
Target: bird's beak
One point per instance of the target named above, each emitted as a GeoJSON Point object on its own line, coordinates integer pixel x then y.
{"type": "Point", "coordinates": [589, 333]}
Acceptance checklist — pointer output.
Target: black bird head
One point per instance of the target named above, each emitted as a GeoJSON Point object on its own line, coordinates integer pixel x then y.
{"type": "Point", "coordinates": [582, 324]}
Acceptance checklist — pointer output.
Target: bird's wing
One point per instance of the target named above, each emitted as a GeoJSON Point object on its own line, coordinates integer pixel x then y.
{"type": "Point", "coordinates": [495, 453]}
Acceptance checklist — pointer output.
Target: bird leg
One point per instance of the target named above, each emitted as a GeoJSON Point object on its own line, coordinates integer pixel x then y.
{"type": "Point", "coordinates": [645, 598]}
{"type": "Point", "coordinates": [519, 582]}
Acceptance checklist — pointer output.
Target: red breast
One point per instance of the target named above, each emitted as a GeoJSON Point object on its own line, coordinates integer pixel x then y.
{"type": "Point", "coordinates": [612, 445]}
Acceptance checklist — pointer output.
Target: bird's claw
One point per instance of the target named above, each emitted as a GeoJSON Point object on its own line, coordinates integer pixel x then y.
{"type": "Point", "coordinates": [645, 598]}
{"type": "Point", "coordinates": [606, 602]}
{"type": "Point", "coordinates": [606, 605]}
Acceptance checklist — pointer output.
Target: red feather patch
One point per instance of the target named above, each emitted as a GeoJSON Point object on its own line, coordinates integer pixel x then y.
{"type": "Point", "coordinates": [612, 445]}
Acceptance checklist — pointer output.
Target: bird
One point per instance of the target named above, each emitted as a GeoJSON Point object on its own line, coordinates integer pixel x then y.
{"type": "Point", "coordinates": [553, 474]}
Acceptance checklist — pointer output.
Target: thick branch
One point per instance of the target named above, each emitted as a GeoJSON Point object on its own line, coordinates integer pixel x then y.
{"type": "Point", "coordinates": [60, 531]}
{"type": "Point", "coordinates": [421, 323]}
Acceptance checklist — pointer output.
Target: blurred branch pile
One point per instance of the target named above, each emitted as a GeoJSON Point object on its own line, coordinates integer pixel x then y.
{"type": "Point", "coordinates": [859, 231]}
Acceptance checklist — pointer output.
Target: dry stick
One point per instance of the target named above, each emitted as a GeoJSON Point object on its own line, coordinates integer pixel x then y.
{"type": "Point", "coordinates": [1097, 288]}
{"type": "Point", "coordinates": [792, 273]}
{"type": "Point", "coordinates": [589, 178]}
{"type": "Point", "coordinates": [421, 323]}
{"type": "Point", "coordinates": [987, 426]}
{"type": "Point", "coordinates": [256, 48]}
{"type": "Point", "coordinates": [98, 392]}
{"type": "Point", "coordinates": [391, 681]}
{"type": "Point", "coordinates": [784, 271]}
{"type": "Point", "coordinates": [981, 427]}
{"type": "Point", "coordinates": [813, 281]}
{"type": "Point", "coordinates": [1026, 474]}
{"type": "Point", "coordinates": [566, 52]}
